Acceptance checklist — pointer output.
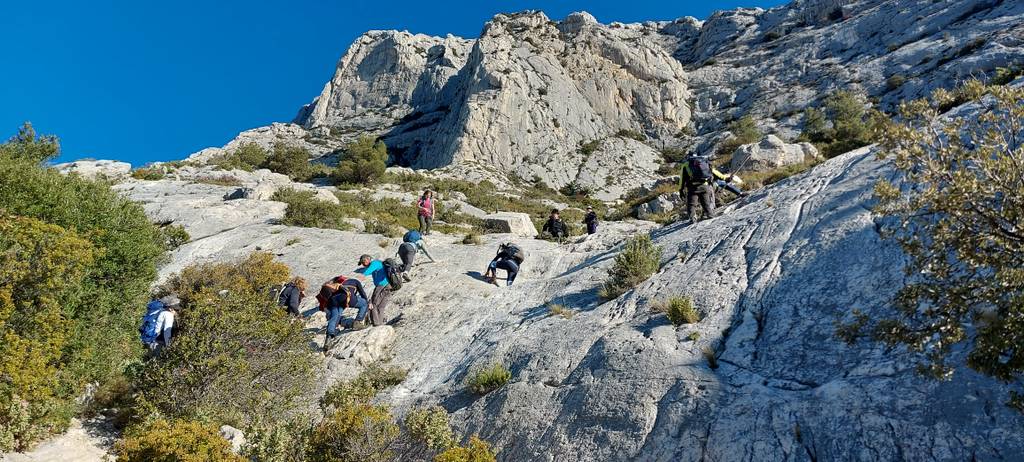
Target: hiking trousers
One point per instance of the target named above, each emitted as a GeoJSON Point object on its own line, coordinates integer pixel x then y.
{"type": "Point", "coordinates": [379, 301]}
{"type": "Point", "coordinates": [425, 223]}
{"type": "Point", "coordinates": [407, 252]}
{"type": "Point", "coordinates": [702, 193]}
{"type": "Point", "coordinates": [509, 266]}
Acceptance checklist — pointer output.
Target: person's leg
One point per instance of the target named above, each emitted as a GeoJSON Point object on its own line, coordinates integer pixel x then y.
{"type": "Point", "coordinates": [406, 254]}
{"type": "Point", "coordinates": [430, 222]}
{"type": "Point", "coordinates": [511, 268]}
{"type": "Point", "coordinates": [691, 201]}
{"type": "Point", "coordinates": [707, 201]}
{"type": "Point", "coordinates": [360, 304]}
{"type": "Point", "coordinates": [423, 224]}
{"type": "Point", "coordinates": [379, 299]}
{"type": "Point", "coordinates": [333, 316]}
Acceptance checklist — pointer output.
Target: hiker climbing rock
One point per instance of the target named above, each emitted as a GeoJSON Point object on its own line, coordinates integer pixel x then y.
{"type": "Point", "coordinates": [157, 327]}
{"type": "Point", "coordinates": [386, 276]}
{"type": "Point", "coordinates": [412, 242]}
{"type": "Point", "coordinates": [555, 226]}
{"type": "Point", "coordinates": [291, 296]}
{"type": "Point", "coordinates": [590, 219]}
{"type": "Point", "coordinates": [426, 211]}
{"type": "Point", "coordinates": [510, 258]}
{"type": "Point", "coordinates": [695, 183]}
{"type": "Point", "coordinates": [729, 183]}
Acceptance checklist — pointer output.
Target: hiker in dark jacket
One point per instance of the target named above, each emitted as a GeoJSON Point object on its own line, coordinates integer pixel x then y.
{"type": "Point", "coordinates": [590, 219]}
{"type": "Point", "coordinates": [349, 295]}
{"type": "Point", "coordinates": [510, 258]}
{"type": "Point", "coordinates": [695, 183]}
{"type": "Point", "coordinates": [292, 295]}
{"type": "Point", "coordinates": [381, 291]}
{"type": "Point", "coordinates": [555, 226]}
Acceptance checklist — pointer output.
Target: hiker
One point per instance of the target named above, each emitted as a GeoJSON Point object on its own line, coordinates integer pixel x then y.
{"type": "Point", "coordinates": [291, 296]}
{"type": "Point", "coordinates": [386, 279]}
{"type": "Point", "coordinates": [349, 294]}
{"type": "Point", "coordinates": [590, 219]}
{"type": "Point", "coordinates": [728, 183]}
{"type": "Point", "coordinates": [555, 226]}
{"type": "Point", "coordinates": [412, 242]}
{"type": "Point", "coordinates": [510, 258]}
{"type": "Point", "coordinates": [157, 327]}
{"type": "Point", "coordinates": [695, 183]}
{"type": "Point", "coordinates": [426, 213]}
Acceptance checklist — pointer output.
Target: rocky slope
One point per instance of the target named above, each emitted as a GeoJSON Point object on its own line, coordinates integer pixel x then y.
{"type": "Point", "coordinates": [523, 97]}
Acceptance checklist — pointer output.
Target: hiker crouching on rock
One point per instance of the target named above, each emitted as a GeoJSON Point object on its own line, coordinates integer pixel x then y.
{"type": "Point", "coordinates": [292, 295]}
{"type": "Point", "coordinates": [382, 289]}
{"type": "Point", "coordinates": [590, 219]}
{"type": "Point", "coordinates": [426, 211]}
{"type": "Point", "coordinates": [555, 226]}
{"type": "Point", "coordinates": [350, 294]}
{"type": "Point", "coordinates": [695, 184]}
{"type": "Point", "coordinates": [412, 242]}
{"type": "Point", "coordinates": [510, 258]}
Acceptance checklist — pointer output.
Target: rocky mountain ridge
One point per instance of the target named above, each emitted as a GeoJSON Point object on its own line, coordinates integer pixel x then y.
{"type": "Point", "coordinates": [526, 96]}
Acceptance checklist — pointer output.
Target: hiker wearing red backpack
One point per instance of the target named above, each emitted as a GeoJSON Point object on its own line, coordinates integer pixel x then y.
{"type": "Point", "coordinates": [695, 184]}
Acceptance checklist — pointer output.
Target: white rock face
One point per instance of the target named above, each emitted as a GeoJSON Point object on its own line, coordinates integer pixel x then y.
{"type": "Point", "coordinates": [234, 436]}
{"type": "Point", "coordinates": [770, 153]}
{"type": "Point", "coordinates": [515, 223]}
{"type": "Point", "coordinates": [96, 169]}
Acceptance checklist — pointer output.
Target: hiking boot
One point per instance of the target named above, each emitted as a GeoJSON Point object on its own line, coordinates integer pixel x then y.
{"type": "Point", "coordinates": [405, 277]}
{"type": "Point", "coordinates": [744, 194]}
{"type": "Point", "coordinates": [358, 325]}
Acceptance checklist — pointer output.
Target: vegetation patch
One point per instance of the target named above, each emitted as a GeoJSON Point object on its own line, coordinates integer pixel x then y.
{"type": "Point", "coordinates": [488, 379]}
{"type": "Point", "coordinates": [638, 260]}
{"type": "Point", "coordinates": [845, 122]}
{"type": "Point", "coordinates": [679, 310]}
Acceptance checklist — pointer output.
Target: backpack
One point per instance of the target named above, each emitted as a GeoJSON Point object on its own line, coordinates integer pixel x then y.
{"type": "Point", "coordinates": [147, 331]}
{"type": "Point", "coordinates": [516, 253]}
{"type": "Point", "coordinates": [700, 169]}
{"type": "Point", "coordinates": [412, 236]}
{"type": "Point", "coordinates": [327, 291]}
{"type": "Point", "coordinates": [349, 292]}
{"type": "Point", "coordinates": [393, 271]}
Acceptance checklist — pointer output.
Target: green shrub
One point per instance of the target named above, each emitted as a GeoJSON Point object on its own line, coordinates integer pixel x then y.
{"type": "Point", "coordinates": [679, 311]}
{"type": "Point", "coordinates": [175, 236]}
{"type": "Point", "coordinates": [693, 336]}
{"type": "Point", "coordinates": [1005, 75]}
{"type": "Point", "coordinates": [472, 239]}
{"type": "Point", "coordinates": [430, 427]}
{"type": "Point", "coordinates": [40, 266]}
{"type": "Point", "coordinates": [489, 379]}
{"type": "Point", "coordinates": [290, 160]}
{"type": "Point", "coordinates": [364, 162]}
{"type": "Point", "coordinates": [755, 180]}
{"type": "Point", "coordinates": [673, 155]}
{"type": "Point", "coordinates": [177, 441]}
{"type": "Point", "coordinates": [247, 156]}
{"type": "Point", "coordinates": [576, 189]}
{"type": "Point", "coordinates": [383, 227]}
{"type": "Point", "coordinates": [895, 81]}
{"type": "Point", "coordinates": [845, 124]}
{"type": "Point", "coordinates": [638, 260]}
{"type": "Point", "coordinates": [148, 173]}
{"type": "Point", "coordinates": [589, 147]}
{"type": "Point", "coordinates": [237, 357]}
{"type": "Point", "coordinates": [284, 440]}
{"type": "Point", "coordinates": [374, 379]}
{"type": "Point", "coordinates": [744, 131]}
{"type": "Point", "coordinates": [104, 307]}
{"type": "Point", "coordinates": [354, 433]}
{"type": "Point", "coordinates": [222, 180]}
{"type": "Point", "coordinates": [476, 450]}
{"type": "Point", "coordinates": [631, 134]}
{"type": "Point", "coordinates": [562, 311]}
{"type": "Point", "coordinates": [304, 209]}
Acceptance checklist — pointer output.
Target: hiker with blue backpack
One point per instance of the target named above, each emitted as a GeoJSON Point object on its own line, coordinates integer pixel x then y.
{"type": "Point", "coordinates": [387, 278]}
{"type": "Point", "coordinates": [157, 327]}
{"type": "Point", "coordinates": [695, 183]}
{"type": "Point", "coordinates": [412, 243]}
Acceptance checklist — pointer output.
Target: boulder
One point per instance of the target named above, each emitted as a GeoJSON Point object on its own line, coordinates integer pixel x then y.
{"type": "Point", "coordinates": [365, 346]}
{"type": "Point", "coordinates": [96, 169]}
{"type": "Point", "coordinates": [234, 436]}
{"type": "Point", "coordinates": [770, 153]}
{"type": "Point", "coordinates": [661, 204]}
{"type": "Point", "coordinates": [516, 223]}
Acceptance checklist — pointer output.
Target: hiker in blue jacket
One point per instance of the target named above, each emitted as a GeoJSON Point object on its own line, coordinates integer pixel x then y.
{"type": "Point", "coordinates": [381, 291]}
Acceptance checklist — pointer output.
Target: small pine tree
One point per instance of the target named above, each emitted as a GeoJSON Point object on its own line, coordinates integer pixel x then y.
{"type": "Point", "coordinates": [364, 161]}
{"type": "Point", "coordinates": [290, 160]}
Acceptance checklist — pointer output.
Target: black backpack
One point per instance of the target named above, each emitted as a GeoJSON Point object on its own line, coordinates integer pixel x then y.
{"type": "Point", "coordinates": [700, 169]}
{"type": "Point", "coordinates": [393, 271]}
{"type": "Point", "coordinates": [514, 252]}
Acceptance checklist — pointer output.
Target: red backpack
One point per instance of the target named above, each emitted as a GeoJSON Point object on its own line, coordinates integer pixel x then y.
{"type": "Point", "coordinates": [328, 290]}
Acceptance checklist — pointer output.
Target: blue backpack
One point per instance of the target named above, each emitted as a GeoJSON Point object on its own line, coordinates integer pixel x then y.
{"type": "Point", "coordinates": [147, 331]}
{"type": "Point", "coordinates": [412, 236]}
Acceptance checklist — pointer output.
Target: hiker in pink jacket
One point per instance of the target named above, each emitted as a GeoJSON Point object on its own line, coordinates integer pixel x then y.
{"type": "Point", "coordinates": [426, 205]}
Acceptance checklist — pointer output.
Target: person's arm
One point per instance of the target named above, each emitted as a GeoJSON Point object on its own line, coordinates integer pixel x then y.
{"type": "Point", "coordinates": [295, 298]}
{"type": "Point", "coordinates": [359, 288]}
{"type": "Point", "coordinates": [167, 327]}
{"type": "Point", "coordinates": [720, 175]}
{"type": "Point", "coordinates": [423, 248]}
{"type": "Point", "coordinates": [547, 226]}
{"type": "Point", "coordinates": [683, 174]}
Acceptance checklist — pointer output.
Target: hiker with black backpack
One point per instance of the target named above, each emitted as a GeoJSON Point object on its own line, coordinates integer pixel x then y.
{"type": "Point", "coordinates": [412, 243]}
{"type": "Point", "coordinates": [555, 226]}
{"type": "Point", "coordinates": [510, 258]}
{"type": "Point", "coordinates": [157, 328]}
{"type": "Point", "coordinates": [695, 183]}
{"type": "Point", "coordinates": [291, 296]}
{"type": "Point", "coordinates": [590, 219]}
{"type": "Point", "coordinates": [387, 278]}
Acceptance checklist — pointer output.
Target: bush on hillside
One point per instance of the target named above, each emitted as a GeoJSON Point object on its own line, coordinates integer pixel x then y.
{"type": "Point", "coordinates": [845, 123]}
{"type": "Point", "coordinates": [631, 134]}
{"type": "Point", "coordinates": [364, 162]}
{"type": "Point", "coordinates": [290, 160]}
{"type": "Point", "coordinates": [247, 156]}
{"type": "Point", "coordinates": [148, 173]}
{"type": "Point", "coordinates": [41, 265]}
{"type": "Point", "coordinates": [305, 210]}
{"type": "Point", "coordinates": [489, 379]}
{"type": "Point", "coordinates": [174, 441]}
{"type": "Point", "coordinates": [638, 260]}
{"type": "Point", "coordinates": [174, 236]}
{"type": "Point", "coordinates": [744, 131]}
{"type": "Point", "coordinates": [959, 218]}
{"type": "Point", "coordinates": [236, 357]}
{"type": "Point", "coordinates": [679, 311]}
{"type": "Point", "coordinates": [103, 309]}
{"type": "Point", "coordinates": [476, 450]}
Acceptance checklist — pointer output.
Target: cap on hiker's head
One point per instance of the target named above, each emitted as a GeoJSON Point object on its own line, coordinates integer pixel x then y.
{"type": "Point", "coordinates": [364, 257]}
{"type": "Point", "coordinates": [170, 301]}
{"type": "Point", "coordinates": [590, 208]}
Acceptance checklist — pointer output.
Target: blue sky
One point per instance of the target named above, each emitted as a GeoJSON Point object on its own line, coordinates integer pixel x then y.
{"type": "Point", "coordinates": [142, 81]}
